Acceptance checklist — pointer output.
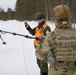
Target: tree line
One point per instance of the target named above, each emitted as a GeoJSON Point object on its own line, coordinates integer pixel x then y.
{"type": "Point", "coordinates": [26, 9]}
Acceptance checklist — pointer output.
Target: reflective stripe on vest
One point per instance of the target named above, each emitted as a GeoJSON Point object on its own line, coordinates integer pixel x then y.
{"type": "Point", "coordinates": [39, 32]}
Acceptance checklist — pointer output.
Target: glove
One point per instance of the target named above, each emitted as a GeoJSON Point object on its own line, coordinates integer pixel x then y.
{"type": "Point", "coordinates": [26, 25]}
{"type": "Point", "coordinates": [39, 38]}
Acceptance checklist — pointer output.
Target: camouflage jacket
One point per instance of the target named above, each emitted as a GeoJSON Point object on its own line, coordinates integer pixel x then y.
{"type": "Point", "coordinates": [62, 41]}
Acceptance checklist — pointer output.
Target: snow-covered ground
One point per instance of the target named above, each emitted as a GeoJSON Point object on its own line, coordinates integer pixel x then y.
{"type": "Point", "coordinates": [17, 57]}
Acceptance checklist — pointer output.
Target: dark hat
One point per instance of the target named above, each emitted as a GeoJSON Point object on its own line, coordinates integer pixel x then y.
{"type": "Point", "coordinates": [39, 15]}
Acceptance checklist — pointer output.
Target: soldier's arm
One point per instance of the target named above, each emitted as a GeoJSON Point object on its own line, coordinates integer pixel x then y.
{"type": "Point", "coordinates": [27, 26]}
{"type": "Point", "coordinates": [31, 31]}
{"type": "Point", "coordinates": [47, 30]}
{"type": "Point", "coordinates": [44, 47]}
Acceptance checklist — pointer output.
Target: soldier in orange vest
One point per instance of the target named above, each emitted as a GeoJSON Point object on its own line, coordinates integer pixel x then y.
{"type": "Point", "coordinates": [40, 31]}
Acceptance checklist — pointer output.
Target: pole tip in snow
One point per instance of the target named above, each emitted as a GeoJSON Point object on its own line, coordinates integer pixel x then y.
{"type": "Point", "coordinates": [4, 43]}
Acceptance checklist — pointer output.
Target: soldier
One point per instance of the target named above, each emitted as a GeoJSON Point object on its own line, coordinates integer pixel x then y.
{"type": "Point", "coordinates": [40, 31]}
{"type": "Point", "coordinates": [62, 42]}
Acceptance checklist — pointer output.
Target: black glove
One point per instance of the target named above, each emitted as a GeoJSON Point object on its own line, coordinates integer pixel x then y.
{"type": "Point", "coordinates": [38, 38]}
{"type": "Point", "coordinates": [26, 25]}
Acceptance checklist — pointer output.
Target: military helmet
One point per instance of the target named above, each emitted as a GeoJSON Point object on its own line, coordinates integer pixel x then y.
{"type": "Point", "coordinates": [62, 11]}
{"type": "Point", "coordinates": [39, 15]}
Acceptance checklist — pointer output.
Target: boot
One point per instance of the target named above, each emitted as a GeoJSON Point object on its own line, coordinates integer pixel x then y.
{"type": "Point", "coordinates": [44, 73]}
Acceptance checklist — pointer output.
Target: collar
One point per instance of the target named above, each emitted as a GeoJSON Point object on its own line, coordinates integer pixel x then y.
{"type": "Point", "coordinates": [41, 24]}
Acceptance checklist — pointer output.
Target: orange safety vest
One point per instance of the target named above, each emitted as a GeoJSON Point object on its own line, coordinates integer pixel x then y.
{"type": "Point", "coordinates": [38, 33]}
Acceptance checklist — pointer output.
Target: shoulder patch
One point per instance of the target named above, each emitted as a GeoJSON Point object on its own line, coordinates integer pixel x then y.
{"type": "Point", "coordinates": [47, 32]}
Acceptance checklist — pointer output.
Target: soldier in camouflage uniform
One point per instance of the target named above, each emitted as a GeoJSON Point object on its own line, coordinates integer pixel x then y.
{"type": "Point", "coordinates": [40, 31]}
{"type": "Point", "coordinates": [62, 42]}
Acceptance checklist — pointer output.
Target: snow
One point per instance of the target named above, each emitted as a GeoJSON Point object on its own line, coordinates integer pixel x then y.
{"type": "Point", "coordinates": [17, 57]}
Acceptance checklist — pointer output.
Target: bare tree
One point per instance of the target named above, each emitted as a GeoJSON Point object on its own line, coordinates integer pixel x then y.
{"type": "Point", "coordinates": [46, 9]}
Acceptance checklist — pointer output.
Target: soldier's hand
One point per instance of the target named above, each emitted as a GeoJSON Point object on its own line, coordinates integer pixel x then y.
{"type": "Point", "coordinates": [39, 38]}
{"type": "Point", "coordinates": [26, 25]}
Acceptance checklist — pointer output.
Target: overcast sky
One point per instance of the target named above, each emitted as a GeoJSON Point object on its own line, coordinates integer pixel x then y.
{"type": "Point", "coordinates": [7, 4]}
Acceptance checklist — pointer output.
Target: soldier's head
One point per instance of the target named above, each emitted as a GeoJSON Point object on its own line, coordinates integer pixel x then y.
{"type": "Point", "coordinates": [62, 16]}
{"type": "Point", "coordinates": [40, 17]}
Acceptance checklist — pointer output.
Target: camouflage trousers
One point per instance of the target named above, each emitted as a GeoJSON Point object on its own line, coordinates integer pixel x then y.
{"type": "Point", "coordinates": [42, 65]}
{"type": "Point", "coordinates": [62, 68]}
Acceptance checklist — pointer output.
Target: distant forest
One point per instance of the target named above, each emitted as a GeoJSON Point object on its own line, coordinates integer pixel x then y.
{"type": "Point", "coordinates": [26, 9]}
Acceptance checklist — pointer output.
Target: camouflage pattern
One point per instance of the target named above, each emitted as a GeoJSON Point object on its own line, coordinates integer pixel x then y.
{"type": "Point", "coordinates": [62, 41]}
{"type": "Point", "coordinates": [64, 68]}
{"type": "Point", "coordinates": [44, 47]}
{"type": "Point", "coordinates": [50, 42]}
{"type": "Point", "coordinates": [58, 40]}
{"type": "Point", "coordinates": [62, 11]}
{"type": "Point", "coordinates": [65, 47]}
{"type": "Point", "coordinates": [42, 65]}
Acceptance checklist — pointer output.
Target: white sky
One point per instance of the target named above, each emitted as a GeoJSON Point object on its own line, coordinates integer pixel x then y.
{"type": "Point", "coordinates": [5, 4]}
